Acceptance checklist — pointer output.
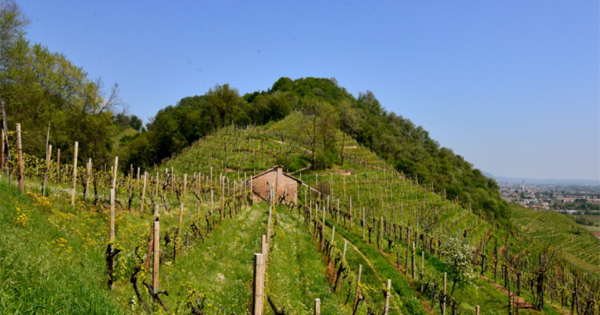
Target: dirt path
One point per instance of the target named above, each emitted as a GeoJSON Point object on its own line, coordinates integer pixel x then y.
{"type": "Point", "coordinates": [363, 257]}
{"type": "Point", "coordinates": [301, 148]}
{"type": "Point", "coordinates": [521, 302]}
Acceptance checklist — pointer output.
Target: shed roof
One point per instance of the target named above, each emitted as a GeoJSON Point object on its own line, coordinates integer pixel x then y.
{"type": "Point", "coordinates": [274, 168]}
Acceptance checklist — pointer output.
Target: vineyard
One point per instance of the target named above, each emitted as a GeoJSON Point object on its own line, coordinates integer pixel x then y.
{"type": "Point", "coordinates": [186, 237]}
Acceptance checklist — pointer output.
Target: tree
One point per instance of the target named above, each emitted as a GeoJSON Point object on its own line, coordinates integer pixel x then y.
{"type": "Point", "coordinates": [38, 85]}
{"type": "Point", "coordinates": [349, 123]}
{"type": "Point", "coordinates": [12, 25]}
{"type": "Point", "coordinates": [310, 109]}
{"type": "Point", "coordinates": [370, 103]}
{"type": "Point", "coordinates": [224, 104]}
{"type": "Point", "coordinates": [458, 254]}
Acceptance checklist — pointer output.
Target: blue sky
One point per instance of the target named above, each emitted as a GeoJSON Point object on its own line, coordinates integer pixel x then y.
{"type": "Point", "coordinates": [513, 86]}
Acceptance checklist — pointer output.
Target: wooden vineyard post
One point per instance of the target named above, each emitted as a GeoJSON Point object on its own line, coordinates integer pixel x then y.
{"type": "Point", "coordinates": [364, 224]}
{"type": "Point", "coordinates": [157, 183]}
{"type": "Point", "coordinates": [333, 235]}
{"type": "Point", "coordinates": [212, 208]}
{"type": "Point", "coordinates": [57, 166]}
{"type": "Point", "coordinates": [5, 139]}
{"type": "Point", "coordinates": [184, 187]}
{"type": "Point", "coordinates": [156, 245]}
{"type": "Point", "coordinates": [444, 296]}
{"type": "Point", "coordinates": [172, 179]}
{"type": "Point", "coordinates": [407, 250]}
{"type": "Point", "coordinates": [381, 233]}
{"type": "Point", "coordinates": [477, 310]}
{"type": "Point", "coordinates": [323, 228]}
{"type": "Point", "coordinates": [337, 217]}
{"type": "Point", "coordinates": [178, 232]}
{"type": "Point", "coordinates": [422, 268]}
{"type": "Point", "coordinates": [48, 157]}
{"type": "Point", "coordinates": [317, 307]}
{"type": "Point", "coordinates": [114, 183]}
{"type": "Point", "coordinates": [388, 293]}
{"type": "Point", "coordinates": [355, 305]}
{"type": "Point", "coordinates": [112, 216]}
{"type": "Point", "coordinates": [269, 225]}
{"type": "Point", "coordinates": [222, 198]}
{"type": "Point", "coordinates": [412, 261]}
{"type": "Point", "coordinates": [258, 285]}
{"type": "Point", "coordinates": [2, 150]}
{"type": "Point", "coordinates": [74, 173]}
{"type": "Point", "coordinates": [87, 181]}
{"type": "Point", "coordinates": [351, 214]}
{"type": "Point", "coordinates": [20, 160]}
{"type": "Point", "coordinates": [344, 252]}
{"type": "Point", "coordinates": [143, 192]}
{"type": "Point", "coordinates": [110, 251]}
{"type": "Point", "coordinates": [264, 249]}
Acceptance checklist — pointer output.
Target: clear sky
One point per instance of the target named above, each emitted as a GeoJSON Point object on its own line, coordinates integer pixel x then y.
{"type": "Point", "coordinates": [513, 86]}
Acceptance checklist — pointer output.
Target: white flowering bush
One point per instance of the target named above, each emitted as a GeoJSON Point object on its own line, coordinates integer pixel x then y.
{"type": "Point", "coordinates": [457, 254]}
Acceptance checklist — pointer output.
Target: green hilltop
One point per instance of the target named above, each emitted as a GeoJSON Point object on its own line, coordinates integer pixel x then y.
{"type": "Point", "coordinates": [406, 147]}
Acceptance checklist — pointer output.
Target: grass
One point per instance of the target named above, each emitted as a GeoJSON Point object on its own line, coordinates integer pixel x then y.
{"type": "Point", "coordinates": [409, 302]}
{"type": "Point", "coordinates": [219, 268]}
{"type": "Point", "coordinates": [296, 271]}
{"type": "Point", "coordinates": [42, 270]}
{"type": "Point", "coordinates": [578, 245]}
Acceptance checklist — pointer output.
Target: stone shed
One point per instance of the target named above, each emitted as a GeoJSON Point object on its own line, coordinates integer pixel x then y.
{"type": "Point", "coordinates": [286, 186]}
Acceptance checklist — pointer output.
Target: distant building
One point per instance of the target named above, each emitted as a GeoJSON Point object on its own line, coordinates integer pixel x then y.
{"type": "Point", "coordinates": [285, 186]}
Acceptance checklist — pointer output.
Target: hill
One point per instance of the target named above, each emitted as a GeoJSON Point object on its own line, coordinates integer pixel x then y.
{"type": "Point", "coordinates": [406, 147]}
{"type": "Point", "coordinates": [578, 245]}
{"type": "Point", "coordinates": [209, 231]}
{"type": "Point", "coordinates": [239, 151]}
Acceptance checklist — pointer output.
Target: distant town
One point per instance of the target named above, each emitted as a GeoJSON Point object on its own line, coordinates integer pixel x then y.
{"type": "Point", "coordinates": [579, 202]}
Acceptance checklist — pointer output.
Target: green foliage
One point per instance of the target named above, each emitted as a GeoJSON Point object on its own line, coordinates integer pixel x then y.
{"type": "Point", "coordinates": [291, 162]}
{"type": "Point", "coordinates": [457, 254]}
{"type": "Point", "coordinates": [133, 121]}
{"type": "Point", "coordinates": [42, 88]}
{"type": "Point", "coordinates": [223, 107]}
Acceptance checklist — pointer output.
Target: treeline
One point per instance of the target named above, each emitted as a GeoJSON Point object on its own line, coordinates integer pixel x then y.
{"type": "Point", "coordinates": [42, 89]}
{"type": "Point", "coordinates": [579, 204]}
{"type": "Point", "coordinates": [406, 146]}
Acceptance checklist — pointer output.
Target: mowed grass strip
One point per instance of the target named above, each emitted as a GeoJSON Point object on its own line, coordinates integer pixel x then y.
{"type": "Point", "coordinates": [219, 270]}
{"type": "Point", "coordinates": [296, 271]}
{"type": "Point", "coordinates": [373, 283]}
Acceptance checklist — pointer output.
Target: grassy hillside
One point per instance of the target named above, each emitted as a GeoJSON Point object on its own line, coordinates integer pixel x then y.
{"type": "Point", "coordinates": [377, 212]}
{"type": "Point", "coordinates": [42, 267]}
{"type": "Point", "coordinates": [372, 184]}
{"type": "Point", "coordinates": [576, 243]}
